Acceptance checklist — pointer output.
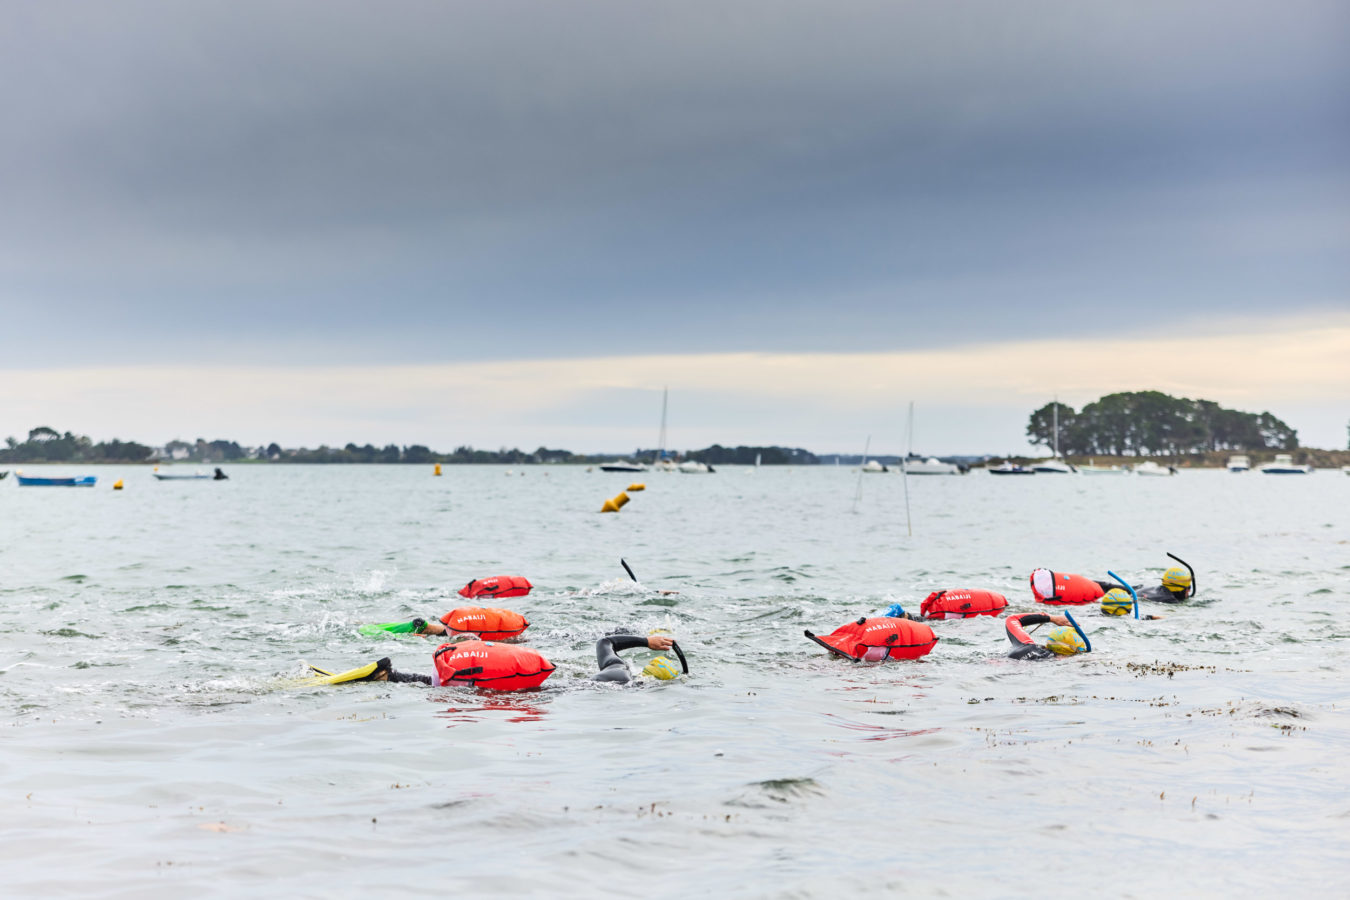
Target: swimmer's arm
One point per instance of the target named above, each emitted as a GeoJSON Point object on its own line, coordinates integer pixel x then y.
{"type": "Point", "coordinates": [431, 626]}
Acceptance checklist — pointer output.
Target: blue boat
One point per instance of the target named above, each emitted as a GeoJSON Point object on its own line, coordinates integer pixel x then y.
{"type": "Point", "coordinates": [77, 481]}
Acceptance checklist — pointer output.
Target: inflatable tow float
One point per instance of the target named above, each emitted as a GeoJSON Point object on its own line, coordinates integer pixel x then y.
{"type": "Point", "coordinates": [497, 586]}
{"type": "Point", "coordinates": [489, 623]}
{"type": "Point", "coordinates": [1064, 589]}
{"type": "Point", "coordinates": [962, 603]}
{"type": "Point", "coordinates": [876, 639]}
{"type": "Point", "coordinates": [494, 667]}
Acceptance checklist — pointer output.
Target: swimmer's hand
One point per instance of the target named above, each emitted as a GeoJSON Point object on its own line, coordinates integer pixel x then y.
{"type": "Point", "coordinates": [1059, 620]}
{"type": "Point", "coordinates": [660, 642]}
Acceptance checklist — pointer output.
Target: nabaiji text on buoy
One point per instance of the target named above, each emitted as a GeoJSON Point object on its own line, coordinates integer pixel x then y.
{"type": "Point", "coordinates": [490, 624]}
{"type": "Point", "coordinates": [1064, 589]}
{"type": "Point", "coordinates": [962, 603]}
{"type": "Point", "coordinates": [495, 667]}
{"type": "Point", "coordinates": [497, 586]}
{"type": "Point", "coordinates": [876, 639]}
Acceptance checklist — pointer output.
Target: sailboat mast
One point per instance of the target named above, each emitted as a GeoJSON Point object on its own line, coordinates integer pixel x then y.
{"type": "Point", "coordinates": [1055, 410]}
{"type": "Point", "coordinates": [661, 441]}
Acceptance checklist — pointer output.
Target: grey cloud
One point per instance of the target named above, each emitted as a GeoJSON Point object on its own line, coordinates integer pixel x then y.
{"type": "Point", "coordinates": [332, 180]}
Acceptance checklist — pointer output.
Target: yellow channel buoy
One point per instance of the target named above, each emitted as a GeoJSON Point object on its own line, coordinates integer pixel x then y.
{"type": "Point", "coordinates": [117, 485]}
{"type": "Point", "coordinates": [636, 486]}
{"type": "Point", "coordinates": [614, 504]}
{"type": "Point", "coordinates": [438, 469]}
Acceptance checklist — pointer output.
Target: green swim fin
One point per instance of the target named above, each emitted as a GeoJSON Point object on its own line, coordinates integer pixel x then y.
{"type": "Point", "coordinates": [364, 673]}
{"type": "Point", "coordinates": [416, 626]}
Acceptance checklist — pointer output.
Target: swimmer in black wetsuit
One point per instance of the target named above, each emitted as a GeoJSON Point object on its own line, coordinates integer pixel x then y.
{"type": "Point", "coordinates": [615, 671]}
{"type": "Point", "coordinates": [1062, 641]}
{"type": "Point", "coordinates": [1176, 587]}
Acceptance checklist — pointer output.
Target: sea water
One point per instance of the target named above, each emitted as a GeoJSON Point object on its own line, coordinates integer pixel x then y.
{"type": "Point", "coordinates": [152, 749]}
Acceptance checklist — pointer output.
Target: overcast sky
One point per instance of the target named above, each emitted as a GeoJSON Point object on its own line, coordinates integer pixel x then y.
{"type": "Point", "coordinates": [294, 195]}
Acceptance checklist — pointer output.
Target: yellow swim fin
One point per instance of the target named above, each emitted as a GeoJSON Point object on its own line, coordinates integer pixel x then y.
{"type": "Point", "coordinates": [364, 673]}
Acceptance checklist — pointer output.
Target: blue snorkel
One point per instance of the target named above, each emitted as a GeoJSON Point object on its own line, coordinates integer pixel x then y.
{"type": "Point", "coordinates": [1086, 642]}
{"type": "Point", "coordinates": [1128, 588]}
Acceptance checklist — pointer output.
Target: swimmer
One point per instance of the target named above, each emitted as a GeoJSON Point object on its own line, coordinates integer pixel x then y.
{"type": "Point", "coordinates": [614, 670]}
{"type": "Point", "coordinates": [465, 662]}
{"type": "Point", "coordinates": [895, 611]}
{"type": "Point", "coordinates": [1178, 585]}
{"type": "Point", "coordinates": [1118, 602]}
{"type": "Point", "coordinates": [221, 476]}
{"type": "Point", "coordinates": [1065, 640]}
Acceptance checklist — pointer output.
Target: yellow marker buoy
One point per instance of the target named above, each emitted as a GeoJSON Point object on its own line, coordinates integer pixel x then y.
{"type": "Point", "coordinates": [438, 469]}
{"type": "Point", "coordinates": [635, 486]}
{"type": "Point", "coordinates": [117, 485]}
{"type": "Point", "coordinates": [614, 504]}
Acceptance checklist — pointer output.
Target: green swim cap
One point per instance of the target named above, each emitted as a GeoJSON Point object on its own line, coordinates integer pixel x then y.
{"type": "Point", "coordinates": [661, 668]}
{"type": "Point", "coordinates": [1117, 602]}
{"type": "Point", "coordinates": [1065, 641]}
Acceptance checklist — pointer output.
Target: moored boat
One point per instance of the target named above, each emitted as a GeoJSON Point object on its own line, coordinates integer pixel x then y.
{"type": "Point", "coordinates": [1284, 464]}
{"type": "Point", "coordinates": [1149, 467]}
{"type": "Point", "coordinates": [1008, 468]}
{"type": "Point", "coordinates": [930, 466]}
{"type": "Point", "coordinates": [1091, 469]}
{"type": "Point", "coordinates": [1239, 463]}
{"type": "Point", "coordinates": [74, 481]}
{"type": "Point", "coordinates": [873, 466]}
{"type": "Point", "coordinates": [621, 465]}
{"type": "Point", "coordinates": [1052, 467]}
{"type": "Point", "coordinates": [694, 467]}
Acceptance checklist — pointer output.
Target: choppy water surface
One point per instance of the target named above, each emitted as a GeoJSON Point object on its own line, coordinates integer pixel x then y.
{"type": "Point", "coordinates": [150, 752]}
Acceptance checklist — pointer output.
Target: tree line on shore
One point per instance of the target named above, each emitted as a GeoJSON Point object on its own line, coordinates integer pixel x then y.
{"type": "Point", "coordinates": [1143, 423]}
{"type": "Point", "coordinates": [45, 444]}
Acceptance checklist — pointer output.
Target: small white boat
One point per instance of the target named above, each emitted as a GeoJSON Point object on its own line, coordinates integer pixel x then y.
{"type": "Point", "coordinates": [622, 465]}
{"type": "Point", "coordinates": [1149, 467]}
{"type": "Point", "coordinates": [1091, 469]}
{"type": "Point", "coordinates": [694, 467]}
{"type": "Point", "coordinates": [1052, 467]}
{"type": "Point", "coordinates": [1284, 464]}
{"type": "Point", "coordinates": [1239, 463]}
{"type": "Point", "coordinates": [930, 466]}
{"type": "Point", "coordinates": [873, 466]}
{"type": "Point", "coordinates": [1008, 468]}
{"type": "Point", "coordinates": [1345, 469]}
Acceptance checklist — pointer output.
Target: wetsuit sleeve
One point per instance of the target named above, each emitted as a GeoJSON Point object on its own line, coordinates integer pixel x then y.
{"type": "Point", "coordinates": [1023, 646]}
{"type": "Point", "coordinates": [408, 677]}
{"type": "Point", "coordinates": [606, 656]}
{"type": "Point", "coordinates": [1161, 594]}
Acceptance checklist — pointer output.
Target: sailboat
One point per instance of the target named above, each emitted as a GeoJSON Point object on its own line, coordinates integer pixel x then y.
{"type": "Point", "coordinates": [663, 463]}
{"type": "Point", "coordinates": [1055, 465]}
{"type": "Point", "coordinates": [917, 465]}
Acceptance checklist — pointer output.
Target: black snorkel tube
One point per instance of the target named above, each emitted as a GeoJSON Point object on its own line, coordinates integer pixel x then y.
{"type": "Point", "coordinates": [1122, 583]}
{"type": "Point", "coordinates": [1190, 593]}
{"type": "Point", "coordinates": [684, 663]}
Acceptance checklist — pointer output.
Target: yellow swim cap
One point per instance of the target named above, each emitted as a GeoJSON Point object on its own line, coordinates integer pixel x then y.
{"type": "Point", "coordinates": [1117, 602]}
{"type": "Point", "coordinates": [1176, 579]}
{"type": "Point", "coordinates": [1065, 641]}
{"type": "Point", "coordinates": [661, 668]}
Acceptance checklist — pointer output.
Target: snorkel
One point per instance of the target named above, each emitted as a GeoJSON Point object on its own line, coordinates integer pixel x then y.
{"type": "Point", "coordinates": [1190, 593]}
{"type": "Point", "coordinates": [1122, 583]}
{"type": "Point", "coordinates": [1086, 642]}
{"type": "Point", "coordinates": [684, 663]}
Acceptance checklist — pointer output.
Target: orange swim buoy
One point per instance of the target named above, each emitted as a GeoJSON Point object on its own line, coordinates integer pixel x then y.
{"type": "Point", "coordinates": [962, 603]}
{"type": "Point", "coordinates": [489, 623]}
{"type": "Point", "coordinates": [494, 667]}
{"type": "Point", "coordinates": [875, 639]}
{"type": "Point", "coordinates": [1064, 589]}
{"type": "Point", "coordinates": [497, 586]}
